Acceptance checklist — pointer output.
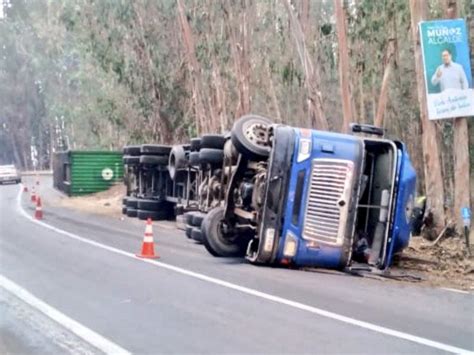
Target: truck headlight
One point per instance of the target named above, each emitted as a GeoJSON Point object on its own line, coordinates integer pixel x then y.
{"type": "Point", "coordinates": [304, 149]}
{"type": "Point", "coordinates": [291, 245]}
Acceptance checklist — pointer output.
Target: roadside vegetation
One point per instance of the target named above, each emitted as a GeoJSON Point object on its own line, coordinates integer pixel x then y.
{"type": "Point", "coordinates": [101, 74]}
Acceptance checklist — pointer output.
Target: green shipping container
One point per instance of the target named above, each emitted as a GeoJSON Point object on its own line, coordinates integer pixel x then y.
{"type": "Point", "coordinates": [85, 172]}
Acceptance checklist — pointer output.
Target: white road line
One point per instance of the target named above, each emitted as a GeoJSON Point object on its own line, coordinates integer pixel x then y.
{"type": "Point", "coordinates": [455, 290]}
{"type": "Point", "coordinates": [78, 329]}
{"type": "Point", "coordinates": [253, 292]}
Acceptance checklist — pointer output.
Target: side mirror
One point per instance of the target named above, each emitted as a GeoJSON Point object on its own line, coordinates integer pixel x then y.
{"type": "Point", "coordinates": [367, 128]}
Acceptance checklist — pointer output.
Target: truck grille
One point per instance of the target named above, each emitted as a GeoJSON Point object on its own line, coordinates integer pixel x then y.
{"type": "Point", "coordinates": [324, 218]}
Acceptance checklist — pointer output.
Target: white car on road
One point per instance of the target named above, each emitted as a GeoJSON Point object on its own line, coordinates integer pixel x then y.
{"type": "Point", "coordinates": [8, 173]}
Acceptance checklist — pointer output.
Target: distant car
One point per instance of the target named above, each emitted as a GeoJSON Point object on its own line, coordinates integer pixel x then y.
{"type": "Point", "coordinates": [8, 173]}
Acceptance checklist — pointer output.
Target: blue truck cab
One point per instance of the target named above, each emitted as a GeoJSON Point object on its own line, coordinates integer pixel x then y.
{"type": "Point", "coordinates": [315, 198]}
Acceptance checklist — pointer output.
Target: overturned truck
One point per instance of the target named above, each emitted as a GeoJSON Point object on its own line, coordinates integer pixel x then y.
{"type": "Point", "coordinates": [281, 195]}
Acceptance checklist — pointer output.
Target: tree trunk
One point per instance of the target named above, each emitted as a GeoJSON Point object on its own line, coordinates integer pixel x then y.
{"type": "Point", "coordinates": [317, 118]}
{"type": "Point", "coordinates": [194, 68]}
{"type": "Point", "coordinates": [16, 152]}
{"type": "Point", "coordinates": [470, 122]}
{"type": "Point", "coordinates": [346, 96]}
{"type": "Point", "coordinates": [383, 97]}
{"type": "Point", "coordinates": [240, 51]}
{"type": "Point", "coordinates": [160, 124]}
{"type": "Point", "coordinates": [461, 146]}
{"type": "Point", "coordinates": [219, 90]}
{"type": "Point", "coordinates": [433, 178]}
{"type": "Point", "coordinates": [362, 112]}
{"type": "Point", "coordinates": [273, 94]}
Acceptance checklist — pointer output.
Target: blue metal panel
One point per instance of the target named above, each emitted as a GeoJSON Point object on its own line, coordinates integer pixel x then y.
{"type": "Point", "coordinates": [405, 190]}
{"type": "Point", "coordinates": [324, 145]}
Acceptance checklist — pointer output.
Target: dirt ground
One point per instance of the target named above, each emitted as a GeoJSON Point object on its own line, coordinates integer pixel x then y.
{"type": "Point", "coordinates": [446, 264]}
{"type": "Point", "coordinates": [106, 202]}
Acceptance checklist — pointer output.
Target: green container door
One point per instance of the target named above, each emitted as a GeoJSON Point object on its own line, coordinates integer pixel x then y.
{"type": "Point", "coordinates": [94, 171]}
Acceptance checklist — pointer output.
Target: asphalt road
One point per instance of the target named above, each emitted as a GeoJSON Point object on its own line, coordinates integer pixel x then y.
{"type": "Point", "coordinates": [190, 302]}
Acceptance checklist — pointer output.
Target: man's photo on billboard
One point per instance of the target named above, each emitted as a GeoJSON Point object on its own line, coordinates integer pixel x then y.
{"type": "Point", "coordinates": [448, 75]}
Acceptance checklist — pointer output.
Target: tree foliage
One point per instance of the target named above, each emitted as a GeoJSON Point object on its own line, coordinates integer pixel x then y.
{"type": "Point", "coordinates": [102, 74]}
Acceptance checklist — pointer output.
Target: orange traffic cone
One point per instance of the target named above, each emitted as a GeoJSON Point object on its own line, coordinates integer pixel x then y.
{"type": "Point", "coordinates": [39, 209]}
{"type": "Point", "coordinates": [148, 246]}
{"type": "Point", "coordinates": [33, 194]}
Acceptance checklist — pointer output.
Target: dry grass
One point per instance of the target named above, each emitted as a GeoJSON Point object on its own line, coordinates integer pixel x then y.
{"type": "Point", "coordinates": [106, 202]}
{"type": "Point", "coordinates": [445, 264]}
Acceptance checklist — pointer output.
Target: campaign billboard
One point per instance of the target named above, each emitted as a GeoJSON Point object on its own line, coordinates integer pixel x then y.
{"type": "Point", "coordinates": [447, 69]}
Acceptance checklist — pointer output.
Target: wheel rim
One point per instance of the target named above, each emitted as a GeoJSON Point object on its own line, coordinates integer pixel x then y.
{"type": "Point", "coordinates": [256, 133]}
{"type": "Point", "coordinates": [226, 238]}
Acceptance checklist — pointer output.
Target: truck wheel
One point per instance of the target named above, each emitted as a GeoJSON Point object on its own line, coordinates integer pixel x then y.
{"type": "Point", "coordinates": [154, 205]}
{"type": "Point", "coordinates": [195, 144]}
{"type": "Point", "coordinates": [129, 160]}
{"type": "Point", "coordinates": [196, 234]}
{"type": "Point", "coordinates": [198, 217]}
{"type": "Point", "coordinates": [177, 160]}
{"type": "Point", "coordinates": [188, 231]}
{"type": "Point", "coordinates": [155, 149]}
{"type": "Point", "coordinates": [132, 202]}
{"type": "Point", "coordinates": [194, 159]}
{"type": "Point", "coordinates": [154, 159]}
{"type": "Point", "coordinates": [124, 209]}
{"type": "Point", "coordinates": [231, 154]}
{"type": "Point", "coordinates": [154, 215]}
{"type": "Point", "coordinates": [133, 150]}
{"type": "Point", "coordinates": [124, 200]}
{"type": "Point", "coordinates": [249, 135]}
{"type": "Point", "coordinates": [211, 156]}
{"type": "Point", "coordinates": [214, 239]}
{"type": "Point", "coordinates": [131, 212]}
{"type": "Point", "coordinates": [188, 218]}
{"type": "Point", "coordinates": [213, 141]}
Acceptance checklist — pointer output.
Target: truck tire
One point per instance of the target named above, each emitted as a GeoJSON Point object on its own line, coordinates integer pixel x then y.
{"type": "Point", "coordinates": [178, 210]}
{"type": "Point", "coordinates": [124, 209]}
{"type": "Point", "coordinates": [231, 155]}
{"type": "Point", "coordinates": [124, 200]}
{"type": "Point", "coordinates": [188, 218]}
{"type": "Point", "coordinates": [131, 160]}
{"type": "Point", "coordinates": [194, 159]}
{"type": "Point", "coordinates": [177, 160]}
{"type": "Point", "coordinates": [195, 144]}
{"type": "Point", "coordinates": [131, 212]}
{"type": "Point", "coordinates": [155, 149]}
{"type": "Point", "coordinates": [154, 159]}
{"type": "Point", "coordinates": [133, 150]}
{"type": "Point", "coordinates": [213, 238]}
{"type": "Point", "coordinates": [211, 156]}
{"type": "Point", "coordinates": [132, 202]}
{"type": "Point", "coordinates": [188, 231]}
{"type": "Point", "coordinates": [249, 136]}
{"type": "Point", "coordinates": [154, 205]}
{"type": "Point", "coordinates": [213, 141]}
{"type": "Point", "coordinates": [196, 234]}
{"type": "Point", "coordinates": [198, 217]}
{"type": "Point", "coordinates": [154, 215]}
